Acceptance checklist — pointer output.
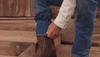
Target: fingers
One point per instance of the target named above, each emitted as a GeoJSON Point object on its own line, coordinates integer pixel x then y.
{"type": "Point", "coordinates": [53, 31]}
{"type": "Point", "coordinates": [52, 34]}
{"type": "Point", "coordinates": [49, 33]}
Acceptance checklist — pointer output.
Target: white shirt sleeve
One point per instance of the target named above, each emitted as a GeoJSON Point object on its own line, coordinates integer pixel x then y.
{"type": "Point", "coordinates": [65, 13]}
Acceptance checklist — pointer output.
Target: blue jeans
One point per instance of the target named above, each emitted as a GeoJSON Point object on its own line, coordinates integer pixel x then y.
{"type": "Point", "coordinates": [44, 14]}
{"type": "Point", "coordinates": [86, 10]}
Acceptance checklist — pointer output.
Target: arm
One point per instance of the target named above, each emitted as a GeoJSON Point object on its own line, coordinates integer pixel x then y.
{"type": "Point", "coordinates": [65, 13]}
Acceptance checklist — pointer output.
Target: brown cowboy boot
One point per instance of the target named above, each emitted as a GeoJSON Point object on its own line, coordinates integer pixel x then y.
{"type": "Point", "coordinates": [45, 47]}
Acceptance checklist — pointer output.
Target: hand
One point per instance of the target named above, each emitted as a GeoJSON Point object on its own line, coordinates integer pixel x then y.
{"type": "Point", "coordinates": [53, 30]}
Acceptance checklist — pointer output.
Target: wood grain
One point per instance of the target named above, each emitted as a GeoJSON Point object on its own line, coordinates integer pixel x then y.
{"type": "Point", "coordinates": [1, 7]}
{"type": "Point", "coordinates": [7, 56]}
{"type": "Point", "coordinates": [9, 7]}
{"type": "Point", "coordinates": [12, 48]}
{"type": "Point", "coordinates": [65, 51]}
{"type": "Point", "coordinates": [18, 36]}
{"type": "Point", "coordinates": [18, 25]}
{"type": "Point", "coordinates": [29, 52]}
{"type": "Point", "coordinates": [16, 8]}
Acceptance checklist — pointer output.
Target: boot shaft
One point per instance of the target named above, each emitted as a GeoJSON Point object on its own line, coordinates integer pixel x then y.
{"type": "Point", "coordinates": [45, 47]}
{"type": "Point", "coordinates": [45, 42]}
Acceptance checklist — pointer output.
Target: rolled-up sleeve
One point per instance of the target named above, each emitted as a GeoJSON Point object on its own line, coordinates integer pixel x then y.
{"type": "Point", "coordinates": [65, 13]}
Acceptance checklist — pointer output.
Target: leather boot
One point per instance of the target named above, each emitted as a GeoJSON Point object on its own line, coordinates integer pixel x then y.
{"type": "Point", "coordinates": [45, 47]}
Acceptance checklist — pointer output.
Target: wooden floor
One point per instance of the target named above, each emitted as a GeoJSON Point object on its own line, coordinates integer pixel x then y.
{"type": "Point", "coordinates": [65, 51]}
{"type": "Point", "coordinates": [24, 49]}
{"type": "Point", "coordinates": [22, 44]}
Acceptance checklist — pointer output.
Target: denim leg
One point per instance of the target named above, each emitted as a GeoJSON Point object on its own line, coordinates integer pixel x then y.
{"type": "Point", "coordinates": [56, 2]}
{"type": "Point", "coordinates": [43, 15]}
{"type": "Point", "coordinates": [99, 3]}
{"type": "Point", "coordinates": [86, 10]}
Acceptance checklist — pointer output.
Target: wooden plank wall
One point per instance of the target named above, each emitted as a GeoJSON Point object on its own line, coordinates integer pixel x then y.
{"type": "Point", "coordinates": [16, 8]}
{"type": "Point", "coordinates": [17, 15]}
{"type": "Point", "coordinates": [20, 8]}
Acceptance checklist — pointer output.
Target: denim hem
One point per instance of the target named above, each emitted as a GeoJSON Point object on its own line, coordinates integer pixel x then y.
{"type": "Point", "coordinates": [41, 34]}
{"type": "Point", "coordinates": [78, 55]}
{"type": "Point", "coordinates": [75, 55]}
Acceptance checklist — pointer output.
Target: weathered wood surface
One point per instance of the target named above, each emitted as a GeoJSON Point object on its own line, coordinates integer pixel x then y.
{"type": "Point", "coordinates": [12, 48]}
{"type": "Point", "coordinates": [7, 56]}
{"type": "Point", "coordinates": [65, 51]}
{"type": "Point", "coordinates": [1, 6]}
{"type": "Point", "coordinates": [62, 51]}
{"type": "Point", "coordinates": [16, 18]}
{"type": "Point", "coordinates": [9, 7]}
{"type": "Point", "coordinates": [18, 36]}
{"type": "Point", "coordinates": [16, 8]}
{"type": "Point", "coordinates": [15, 42]}
{"type": "Point", "coordinates": [22, 36]}
{"type": "Point", "coordinates": [29, 52]}
{"type": "Point", "coordinates": [22, 8]}
{"type": "Point", "coordinates": [18, 25]}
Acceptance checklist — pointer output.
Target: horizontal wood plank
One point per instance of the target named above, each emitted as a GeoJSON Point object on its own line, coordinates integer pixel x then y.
{"type": "Point", "coordinates": [22, 36]}
{"type": "Point", "coordinates": [16, 18]}
{"type": "Point", "coordinates": [65, 51]}
{"type": "Point", "coordinates": [18, 36]}
{"type": "Point", "coordinates": [18, 25]}
{"type": "Point", "coordinates": [7, 56]}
